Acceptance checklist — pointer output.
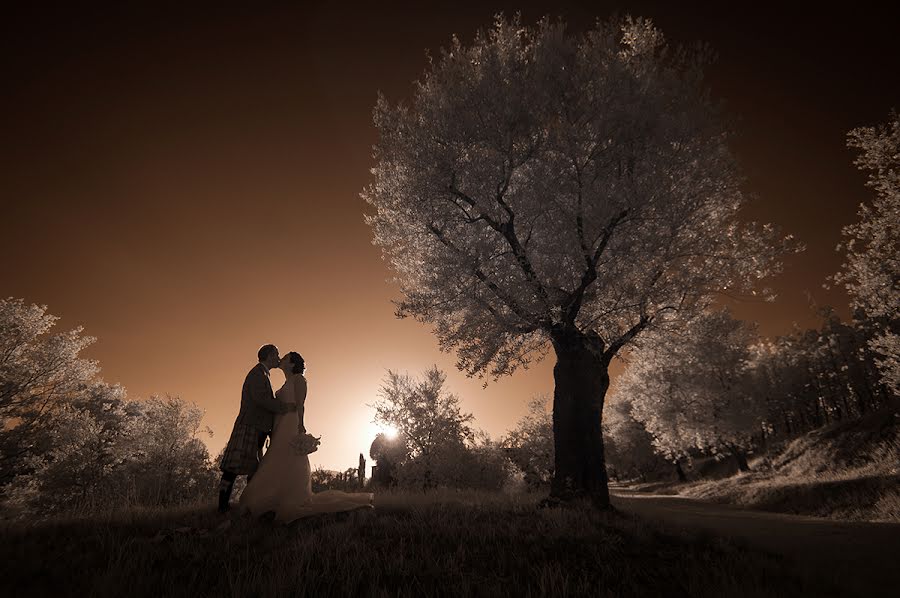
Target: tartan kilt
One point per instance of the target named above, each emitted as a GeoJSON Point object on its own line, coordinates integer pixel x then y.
{"type": "Point", "coordinates": [241, 455]}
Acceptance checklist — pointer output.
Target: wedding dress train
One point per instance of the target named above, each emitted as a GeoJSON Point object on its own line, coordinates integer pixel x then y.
{"type": "Point", "coordinates": [282, 482]}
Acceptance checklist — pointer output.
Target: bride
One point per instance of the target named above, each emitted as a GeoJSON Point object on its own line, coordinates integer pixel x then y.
{"type": "Point", "coordinates": [282, 482]}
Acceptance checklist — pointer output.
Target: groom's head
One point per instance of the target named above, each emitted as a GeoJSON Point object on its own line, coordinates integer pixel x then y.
{"type": "Point", "coordinates": [268, 356]}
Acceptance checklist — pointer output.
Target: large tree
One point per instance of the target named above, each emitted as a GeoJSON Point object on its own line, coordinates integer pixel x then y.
{"type": "Point", "coordinates": [545, 188]}
{"type": "Point", "coordinates": [871, 272]}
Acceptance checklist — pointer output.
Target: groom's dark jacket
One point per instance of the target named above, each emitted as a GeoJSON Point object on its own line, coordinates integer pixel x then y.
{"type": "Point", "coordinates": [258, 404]}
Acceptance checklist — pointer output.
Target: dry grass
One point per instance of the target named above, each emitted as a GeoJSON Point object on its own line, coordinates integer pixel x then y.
{"type": "Point", "coordinates": [438, 544]}
{"type": "Point", "coordinates": [847, 471]}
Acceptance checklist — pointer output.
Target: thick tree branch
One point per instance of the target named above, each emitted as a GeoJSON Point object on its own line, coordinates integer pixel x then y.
{"type": "Point", "coordinates": [508, 231]}
{"type": "Point", "coordinates": [576, 298]}
{"type": "Point", "coordinates": [632, 332]}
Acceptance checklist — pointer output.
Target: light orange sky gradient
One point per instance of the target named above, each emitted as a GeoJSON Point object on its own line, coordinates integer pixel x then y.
{"type": "Point", "coordinates": [186, 186]}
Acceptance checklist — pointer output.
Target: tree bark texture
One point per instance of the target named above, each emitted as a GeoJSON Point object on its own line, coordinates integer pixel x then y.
{"type": "Point", "coordinates": [581, 379]}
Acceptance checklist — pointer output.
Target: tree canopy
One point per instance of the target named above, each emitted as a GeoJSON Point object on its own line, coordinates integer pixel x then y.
{"type": "Point", "coordinates": [541, 181]}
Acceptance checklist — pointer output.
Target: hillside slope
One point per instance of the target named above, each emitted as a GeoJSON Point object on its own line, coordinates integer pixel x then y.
{"type": "Point", "coordinates": [850, 470]}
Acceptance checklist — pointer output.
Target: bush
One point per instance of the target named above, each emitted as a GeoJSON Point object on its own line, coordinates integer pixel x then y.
{"type": "Point", "coordinates": [105, 453]}
{"type": "Point", "coordinates": [482, 465]}
{"type": "Point", "coordinates": [529, 446]}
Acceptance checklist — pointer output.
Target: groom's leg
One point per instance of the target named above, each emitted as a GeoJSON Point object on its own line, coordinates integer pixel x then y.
{"type": "Point", "coordinates": [226, 485]}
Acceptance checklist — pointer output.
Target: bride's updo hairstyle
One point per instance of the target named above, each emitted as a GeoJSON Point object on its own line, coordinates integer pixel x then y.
{"type": "Point", "coordinates": [298, 363]}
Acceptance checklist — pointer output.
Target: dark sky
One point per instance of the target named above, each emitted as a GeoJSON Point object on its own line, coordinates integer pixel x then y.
{"type": "Point", "coordinates": [183, 182]}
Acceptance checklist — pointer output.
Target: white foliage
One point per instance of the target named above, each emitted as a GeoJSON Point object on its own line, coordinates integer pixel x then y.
{"type": "Point", "coordinates": [541, 180]}
{"type": "Point", "coordinates": [37, 368]}
{"type": "Point", "coordinates": [690, 390]}
{"type": "Point", "coordinates": [68, 440]}
{"type": "Point", "coordinates": [871, 272]}
{"type": "Point", "coordinates": [39, 371]}
{"type": "Point", "coordinates": [629, 446]}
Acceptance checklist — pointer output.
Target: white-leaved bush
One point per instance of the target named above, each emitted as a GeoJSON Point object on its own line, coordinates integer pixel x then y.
{"type": "Point", "coordinates": [629, 446]}
{"type": "Point", "coordinates": [69, 442]}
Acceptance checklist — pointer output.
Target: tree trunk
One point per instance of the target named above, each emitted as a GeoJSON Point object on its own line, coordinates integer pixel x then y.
{"type": "Point", "coordinates": [679, 471]}
{"type": "Point", "coordinates": [870, 393]}
{"type": "Point", "coordinates": [581, 379]}
{"type": "Point", "coordinates": [817, 403]}
{"type": "Point", "coordinates": [741, 458]}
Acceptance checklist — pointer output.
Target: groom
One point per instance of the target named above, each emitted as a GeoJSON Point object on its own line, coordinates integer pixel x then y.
{"type": "Point", "coordinates": [253, 424]}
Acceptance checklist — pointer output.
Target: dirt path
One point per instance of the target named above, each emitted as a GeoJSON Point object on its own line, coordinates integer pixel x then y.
{"type": "Point", "coordinates": [861, 559]}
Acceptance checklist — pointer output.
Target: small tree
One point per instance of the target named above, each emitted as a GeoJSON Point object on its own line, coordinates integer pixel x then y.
{"type": "Point", "coordinates": [629, 446]}
{"type": "Point", "coordinates": [871, 272]}
{"type": "Point", "coordinates": [434, 446]}
{"type": "Point", "coordinates": [546, 189]}
{"type": "Point", "coordinates": [691, 391]}
{"type": "Point", "coordinates": [426, 416]}
{"type": "Point", "coordinates": [171, 462]}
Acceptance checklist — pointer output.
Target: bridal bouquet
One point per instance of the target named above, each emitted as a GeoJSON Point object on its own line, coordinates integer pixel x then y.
{"type": "Point", "coordinates": [304, 444]}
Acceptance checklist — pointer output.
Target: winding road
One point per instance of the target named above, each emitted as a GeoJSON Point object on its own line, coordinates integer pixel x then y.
{"type": "Point", "coordinates": [860, 559]}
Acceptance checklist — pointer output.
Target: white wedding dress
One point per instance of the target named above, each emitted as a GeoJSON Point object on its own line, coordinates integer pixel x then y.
{"type": "Point", "coordinates": [282, 482]}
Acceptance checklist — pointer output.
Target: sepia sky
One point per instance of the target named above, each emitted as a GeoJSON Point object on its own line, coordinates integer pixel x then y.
{"type": "Point", "coordinates": [184, 182]}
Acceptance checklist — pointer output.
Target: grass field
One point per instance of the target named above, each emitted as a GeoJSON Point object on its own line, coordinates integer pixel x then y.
{"type": "Point", "coordinates": [440, 544]}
